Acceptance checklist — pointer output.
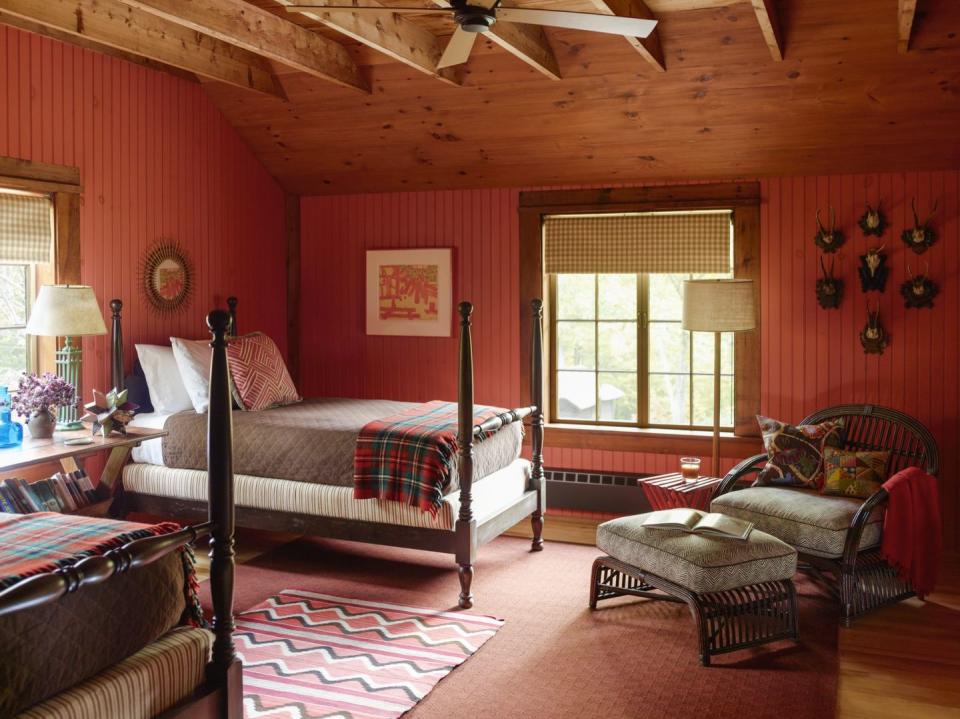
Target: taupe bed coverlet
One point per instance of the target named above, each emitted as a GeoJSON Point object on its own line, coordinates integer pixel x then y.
{"type": "Point", "coordinates": [311, 441]}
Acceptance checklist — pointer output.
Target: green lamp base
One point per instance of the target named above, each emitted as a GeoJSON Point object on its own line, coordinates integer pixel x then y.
{"type": "Point", "coordinates": [68, 426]}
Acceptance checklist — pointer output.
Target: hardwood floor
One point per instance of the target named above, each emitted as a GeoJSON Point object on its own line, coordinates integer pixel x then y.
{"type": "Point", "coordinates": [901, 663]}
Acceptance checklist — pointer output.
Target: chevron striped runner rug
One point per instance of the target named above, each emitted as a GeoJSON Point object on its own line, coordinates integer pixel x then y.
{"type": "Point", "coordinates": [315, 656]}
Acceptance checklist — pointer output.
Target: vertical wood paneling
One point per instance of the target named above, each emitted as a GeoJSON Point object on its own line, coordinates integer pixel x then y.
{"type": "Point", "coordinates": [157, 160]}
{"type": "Point", "coordinates": [810, 357]}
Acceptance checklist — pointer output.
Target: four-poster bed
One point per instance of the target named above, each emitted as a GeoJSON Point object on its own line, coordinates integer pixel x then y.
{"type": "Point", "coordinates": [474, 514]}
{"type": "Point", "coordinates": [217, 693]}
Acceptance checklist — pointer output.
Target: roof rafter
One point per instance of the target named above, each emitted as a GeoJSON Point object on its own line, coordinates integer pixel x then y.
{"type": "Point", "coordinates": [649, 47]}
{"type": "Point", "coordinates": [112, 24]}
{"type": "Point", "coordinates": [261, 32]}
{"type": "Point", "coordinates": [769, 21]}
{"type": "Point", "coordinates": [906, 13]}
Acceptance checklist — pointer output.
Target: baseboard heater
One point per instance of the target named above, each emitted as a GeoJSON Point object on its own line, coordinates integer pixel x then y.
{"type": "Point", "coordinates": [612, 492]}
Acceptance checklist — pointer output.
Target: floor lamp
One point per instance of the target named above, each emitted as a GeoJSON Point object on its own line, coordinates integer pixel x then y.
{"type": "Point", "coordinates": [718, 306]}
{"type": "Point", "coordinates": [67, 311]}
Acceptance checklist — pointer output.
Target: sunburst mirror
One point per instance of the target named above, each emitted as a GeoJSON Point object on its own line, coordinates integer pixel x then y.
{"type": "Point", "coordinates": [166, 276]}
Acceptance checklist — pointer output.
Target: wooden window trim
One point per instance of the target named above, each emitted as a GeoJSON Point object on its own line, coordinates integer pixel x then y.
{"type": "Point", "coordinates": [744, 199]}
{"type": "Point", "coordinates": [62, 183]}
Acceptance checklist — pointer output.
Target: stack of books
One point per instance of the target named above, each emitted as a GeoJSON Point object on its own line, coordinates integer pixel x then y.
{"type": "Point", "coordinates": [63, 492]}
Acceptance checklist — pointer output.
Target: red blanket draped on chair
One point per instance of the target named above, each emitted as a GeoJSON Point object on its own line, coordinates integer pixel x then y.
{"type": "Point", "coordinates": [912, 541]}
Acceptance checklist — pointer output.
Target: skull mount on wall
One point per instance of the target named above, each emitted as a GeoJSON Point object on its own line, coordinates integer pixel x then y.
{"type": "Point", "coordinates": [919, 291]}
{"type": "Point", "coordinates": [873, 337]}
{"type": "Point", "coordinates": [873, 270]}
{"type": "Point", "coordinates": [828, 240]}
{"type": "Point", "coordinates": [829, 288]}
{"type": "Point", "coordinates": [921, 236]}
{"type": "Point", "coordinates": [873, 221]}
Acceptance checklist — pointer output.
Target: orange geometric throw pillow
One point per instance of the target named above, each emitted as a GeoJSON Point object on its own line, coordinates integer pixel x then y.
{"type": "Point", "coordinates": [258, 375]}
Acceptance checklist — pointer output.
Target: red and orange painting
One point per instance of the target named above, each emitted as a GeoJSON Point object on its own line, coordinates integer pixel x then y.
{"type": "Point", "coordinates": [408, 292]}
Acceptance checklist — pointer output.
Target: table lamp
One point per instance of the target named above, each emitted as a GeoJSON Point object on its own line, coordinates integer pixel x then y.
{"type": "Point", "coordinates": [718, 306]}
{"type": "Point", "coordinates": [67, 311]}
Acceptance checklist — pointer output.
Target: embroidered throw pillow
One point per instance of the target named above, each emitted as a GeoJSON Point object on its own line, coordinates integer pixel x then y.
{"type": "Point", "coordinates": [795, 453]}
{"type": "Point", "coordinates": [258, 375]}
{"type": "Point", "coordinates": [853, 474]}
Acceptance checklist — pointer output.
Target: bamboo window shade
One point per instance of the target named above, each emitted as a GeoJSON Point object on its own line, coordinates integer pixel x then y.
{"type": "Point", "coordinates": [664, 242]}
{"type": "Point", "coordinates": [26, 228]}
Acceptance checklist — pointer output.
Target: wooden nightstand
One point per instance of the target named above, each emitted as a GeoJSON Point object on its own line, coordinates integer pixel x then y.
{"type": "Point", "coordinates": [670, 491]}
{"type": "Point", "coordinates": [70, 458]}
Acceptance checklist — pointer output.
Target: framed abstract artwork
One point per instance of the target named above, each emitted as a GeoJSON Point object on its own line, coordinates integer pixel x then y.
{"type": "Point", "coordinates": [410, 292]}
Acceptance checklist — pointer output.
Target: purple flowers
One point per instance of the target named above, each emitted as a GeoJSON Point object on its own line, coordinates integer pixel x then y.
{"type": "Point", "coordinates": [42, 393]}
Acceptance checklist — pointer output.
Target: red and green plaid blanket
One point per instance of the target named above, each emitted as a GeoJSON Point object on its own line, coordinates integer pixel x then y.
{"type": "Point", "coordinates": [409, 457]}
{"type": "Point", "coordinates": [46, 541]}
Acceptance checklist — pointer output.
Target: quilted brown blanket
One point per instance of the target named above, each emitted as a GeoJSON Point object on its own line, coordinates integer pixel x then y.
{"type": "Point", "coordinates": [312, 441]}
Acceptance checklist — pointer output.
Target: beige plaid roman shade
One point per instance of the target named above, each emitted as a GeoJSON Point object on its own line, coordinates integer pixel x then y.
{"type": "Point", "coordinates": [670, 242]}
{"type": "Point", "coordinates": [26, 228]}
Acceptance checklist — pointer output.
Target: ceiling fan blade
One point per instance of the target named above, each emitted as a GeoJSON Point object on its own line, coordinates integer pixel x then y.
{"type": "Point", "coordinates": [458, 49]}
{"type": "Point", "coordinates": [381, 9]}
{"type": "Point", "coordinates": [612, 24]}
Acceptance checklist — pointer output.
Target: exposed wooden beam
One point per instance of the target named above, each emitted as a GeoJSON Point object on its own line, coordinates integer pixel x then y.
{"type": "Point", "coordinates": [527, 42]}
{"type": "Point", "coordinates": [906, 12]}
{"type": "Point", "coordinates": [769, 21]}
{"type": "Point", "coordinates": [649, 47]}
{"type": "Point", "coordinates": [111, 23]}
{"type": "Point", "coordinates": [391, 34]}
{"type": "Point", "coordinates": [46, 31]}
{"type": "Point", "coordinates": [261, 32]}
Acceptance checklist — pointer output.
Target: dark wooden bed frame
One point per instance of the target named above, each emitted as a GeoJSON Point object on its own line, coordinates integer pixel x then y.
{"type": "Point", "coordinates": [221, 694]}
{"type": "Point", "coordinates": [464, 540]}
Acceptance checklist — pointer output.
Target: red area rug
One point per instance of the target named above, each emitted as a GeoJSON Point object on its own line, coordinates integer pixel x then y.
{"type": "Point", "coordinates": [554, 658]}
{"type": "Point", "coordinates": [308, 655]}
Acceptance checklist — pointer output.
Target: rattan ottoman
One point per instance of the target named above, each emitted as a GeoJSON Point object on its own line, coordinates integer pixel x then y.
{"type": "Point", "coordinates": [740, 592]}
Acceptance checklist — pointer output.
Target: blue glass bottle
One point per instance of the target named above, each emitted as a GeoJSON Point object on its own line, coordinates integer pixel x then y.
{"type": "Point", "coordinates": [11, 433]}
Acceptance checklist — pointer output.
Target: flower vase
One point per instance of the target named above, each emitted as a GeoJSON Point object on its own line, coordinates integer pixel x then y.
{"type": "Point", "coordinates": [41, 425]}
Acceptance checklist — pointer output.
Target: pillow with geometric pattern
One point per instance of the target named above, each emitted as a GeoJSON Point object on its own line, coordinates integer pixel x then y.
{"type": "Point", "coordinates": [853, 474]}
{"type": "Point", "coordinates": [795, 453]}
{"type": "Point", "coordinates": [258, 375]}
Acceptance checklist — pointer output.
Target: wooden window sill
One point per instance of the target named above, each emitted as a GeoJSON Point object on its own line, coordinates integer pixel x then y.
{"type": "Point", "coordinates": [654, 441]}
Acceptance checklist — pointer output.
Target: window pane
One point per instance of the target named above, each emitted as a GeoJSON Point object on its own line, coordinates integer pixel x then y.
{"type": "Point", "coordinates": [669, 349]}
{"type": "Point", "coordinates": [666, 296]}
{"type": "Point", "coordinates": [669, 401]}
{"type": "Point", "coordinates": [13, 356]}
{"type": "Point", "coordinates": [576, 345]}
{"type": "Point", "coordinates": [575, 297]}
{"type": "Point", "coordinates": [13, 295]}
{"type": "Point", "coordinates": [576, 395]}
{"type": "Point", "coordinates": [618, 396]}
{"type": "Point", "coordinates": [703, 352]}
{"type": "Point", "coordinates": [617, 345]}
{"type": "Point", "coordinates": [617, 295]}
{"type": "Point", "coordinates": [703, 401]}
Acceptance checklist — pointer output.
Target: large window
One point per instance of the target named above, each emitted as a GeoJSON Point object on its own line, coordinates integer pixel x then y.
{"type": "Point", "coordinates": [621, 356]}
{"type": "Point", "coordinates": [16, 353]}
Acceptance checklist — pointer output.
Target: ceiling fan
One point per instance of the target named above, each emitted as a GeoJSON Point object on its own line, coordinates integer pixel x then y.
{"type": "Point", "coordinates": [473, 17]}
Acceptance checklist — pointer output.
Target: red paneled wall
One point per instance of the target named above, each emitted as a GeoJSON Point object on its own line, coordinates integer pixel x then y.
{"type": "Point", "coordinates": [811, 357]}
{"type": "Point", "coordinates": [157, 160]}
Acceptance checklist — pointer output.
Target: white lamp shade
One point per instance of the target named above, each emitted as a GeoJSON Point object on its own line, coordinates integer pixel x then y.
{"type": "Point", "coordinates": [718, 306]}
{"type": "Point", "coordinates": [66, 311]}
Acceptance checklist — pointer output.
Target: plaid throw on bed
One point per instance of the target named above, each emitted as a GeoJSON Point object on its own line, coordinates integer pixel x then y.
{"type": "Point", "coordinates": [46, 541]}
{"type": "Point", "coordinates": [409, 457]}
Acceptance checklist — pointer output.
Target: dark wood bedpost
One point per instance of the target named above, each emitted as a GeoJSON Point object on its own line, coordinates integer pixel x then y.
{"type": "Point", "coordinates": [232, 305]}
{"type": "Point", "coordinates": [536, 423]}
{"type": "Point", "coordinates": [224, 667]}
{"type": "Point", "coordinates": [466, 530]}
{"type": "Point", "coordinates": [116, 346]}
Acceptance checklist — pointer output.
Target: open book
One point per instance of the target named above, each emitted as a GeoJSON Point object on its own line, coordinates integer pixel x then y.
{"type": "Point", "coordinates": [697, 522]}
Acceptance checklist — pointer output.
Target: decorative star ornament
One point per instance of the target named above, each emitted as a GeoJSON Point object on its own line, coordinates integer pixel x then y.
{"type": "Point", "coordinates": [109, 412]}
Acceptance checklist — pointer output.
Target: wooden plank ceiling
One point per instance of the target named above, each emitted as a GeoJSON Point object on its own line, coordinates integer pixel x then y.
{"type": "Point", "coordinates": [354, 103]}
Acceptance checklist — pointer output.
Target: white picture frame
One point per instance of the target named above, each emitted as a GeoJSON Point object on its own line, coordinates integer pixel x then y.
{"type": "Point", "coordinates": [410, 292]}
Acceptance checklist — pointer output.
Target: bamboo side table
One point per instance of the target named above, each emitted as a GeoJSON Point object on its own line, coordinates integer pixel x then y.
{"type": "Point", "coordinates": [70, 458]}
{"type": "Point", "coordinates": [672, 491]}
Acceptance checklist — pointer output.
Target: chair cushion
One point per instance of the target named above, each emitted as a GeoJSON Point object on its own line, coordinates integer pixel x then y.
{"type": "Point", "coordinates": [813, 523]}
{"type": "Point", "coordinates": [701, 564]}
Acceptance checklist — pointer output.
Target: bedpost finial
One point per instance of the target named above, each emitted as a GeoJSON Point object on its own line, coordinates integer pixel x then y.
{"type": "Point", "coordinates": [116, 305]}
{"type": "Point", "coordinates": [536, 305]}
{"type": "Point", "coordinates": [218, 321]}
{"type": "Point", "coordinates": [465, 309]}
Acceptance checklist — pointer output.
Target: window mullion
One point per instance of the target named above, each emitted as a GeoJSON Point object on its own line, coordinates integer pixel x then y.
{"type": "Point", "coordinates": [596, 348]}
{"type": "Point", "coordinates": [643, 351]}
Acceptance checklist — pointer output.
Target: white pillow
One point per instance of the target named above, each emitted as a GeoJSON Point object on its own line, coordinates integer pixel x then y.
{"type": "Point", "coordinates": [167, 391]}
{"type": "Point", "coordinates": [193, 359]}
